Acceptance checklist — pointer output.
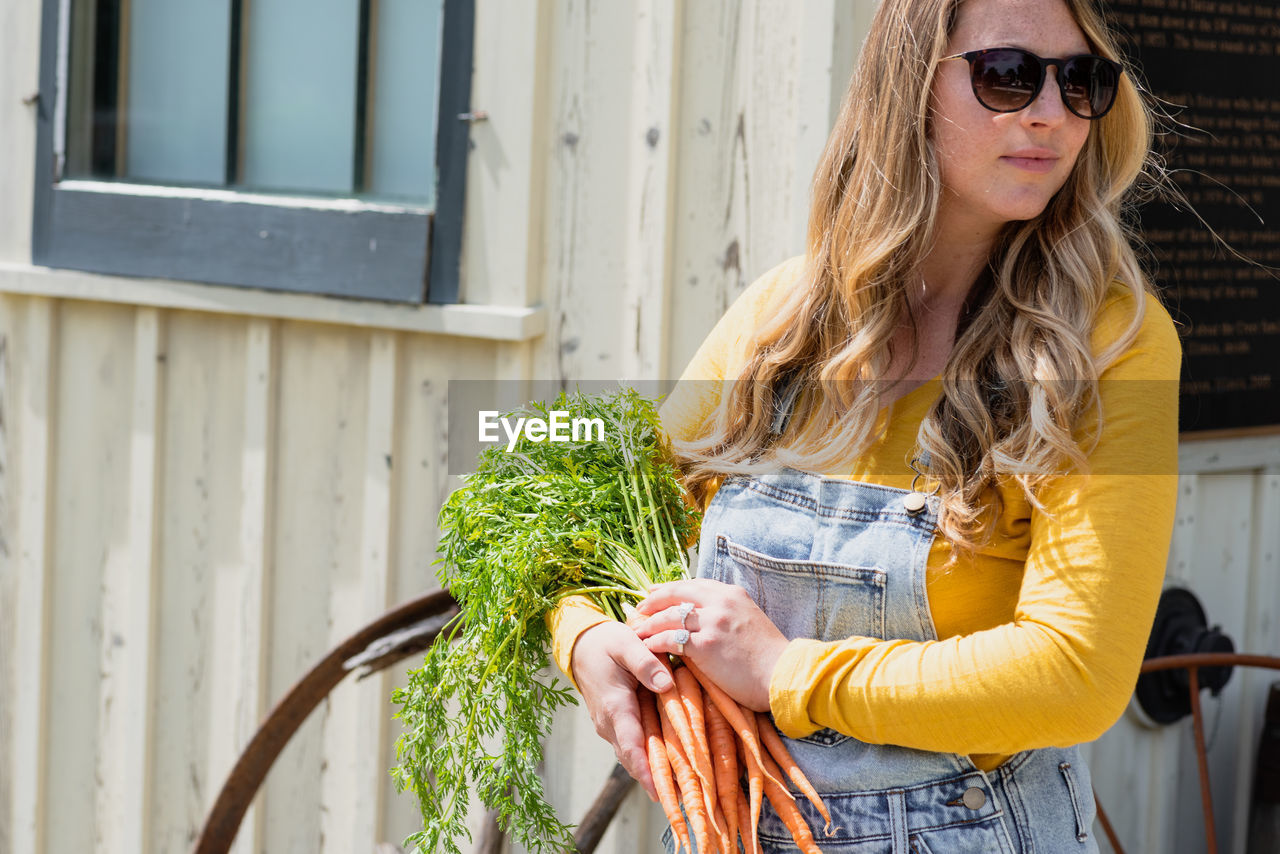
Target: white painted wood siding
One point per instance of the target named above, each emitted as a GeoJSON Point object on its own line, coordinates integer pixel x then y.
{"type": "Point", "coordinates": [204, 489]}
{"type": "Point", "coordinates": [1226, 550]}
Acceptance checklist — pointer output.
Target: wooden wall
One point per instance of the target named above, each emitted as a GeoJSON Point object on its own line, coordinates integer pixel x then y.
{"type": "Point", "coordinates": [1226, 550]}
{"type": "Point", "coordinates": [203, 489]}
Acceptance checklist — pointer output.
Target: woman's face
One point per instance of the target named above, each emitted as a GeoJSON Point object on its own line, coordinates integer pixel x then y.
{"type": "Point", "coordinates": [1001, 167]}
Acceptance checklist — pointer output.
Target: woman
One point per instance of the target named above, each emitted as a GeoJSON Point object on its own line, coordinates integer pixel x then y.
{"type": "Point", "coordinates": [941, 581]}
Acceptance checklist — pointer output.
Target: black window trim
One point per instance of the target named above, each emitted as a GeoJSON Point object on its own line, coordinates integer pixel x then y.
{"type": "Point", "coordinates": [339, 247]}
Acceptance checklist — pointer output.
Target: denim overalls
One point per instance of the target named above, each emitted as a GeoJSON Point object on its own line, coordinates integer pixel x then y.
{"type": "Point", "coordinates": [828, 558]}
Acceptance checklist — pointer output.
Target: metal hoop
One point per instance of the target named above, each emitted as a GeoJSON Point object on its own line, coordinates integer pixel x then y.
{"type": "Point", "coordinates": [920, 474]}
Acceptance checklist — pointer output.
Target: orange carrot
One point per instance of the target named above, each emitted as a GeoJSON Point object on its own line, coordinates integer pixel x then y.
{"type": "Point", "coordinates": [691, 698]}
{"type": "Point", "coordinates": [784, 803]}
{"type": "Point", "coordinates": [755, 787]}
{"type": "Point", "coordinates": [778, 750]}
{"type": "Point", "coordinates": [724, 844]}
{"type": "Point", "coordinates": [725, 756]}
{"type": "Point", "coordinates": [660, 767]}
{"type": "Point", "coordinates": [690, 789]}
{"type": "Point", "coordinates": [699, 759]}
{"type": "Point", "coordinates": [741, 723]}
{"type": "Point", "coordinates": [750, 841]}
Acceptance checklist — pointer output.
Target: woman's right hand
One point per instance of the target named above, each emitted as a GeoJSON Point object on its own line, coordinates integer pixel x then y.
{"type": "Point", "coordinates": [608, 662]}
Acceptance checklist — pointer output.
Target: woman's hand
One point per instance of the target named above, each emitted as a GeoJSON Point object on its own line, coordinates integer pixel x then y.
{"type": "Point", "coordinates": [730, 638]}
{"type": "Point", "coordinates": [608, 661]}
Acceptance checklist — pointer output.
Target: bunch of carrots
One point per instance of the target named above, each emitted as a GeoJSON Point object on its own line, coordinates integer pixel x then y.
{"type": "Point", "coordinates": [605, 518]}
{"type": "Point", "coordinates": [695, 751]}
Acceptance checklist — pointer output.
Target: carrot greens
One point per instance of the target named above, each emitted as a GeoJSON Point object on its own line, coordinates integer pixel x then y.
{"type": "Point", "coordinates": [604, 518]}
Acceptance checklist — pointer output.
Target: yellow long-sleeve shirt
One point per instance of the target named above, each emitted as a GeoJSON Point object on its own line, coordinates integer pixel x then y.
{"type": "Point", "coordinates": [1042, 631]}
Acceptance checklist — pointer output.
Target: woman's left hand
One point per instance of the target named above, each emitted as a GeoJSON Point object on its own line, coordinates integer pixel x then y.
{"type": "Point", "coordinates": [730, 638]}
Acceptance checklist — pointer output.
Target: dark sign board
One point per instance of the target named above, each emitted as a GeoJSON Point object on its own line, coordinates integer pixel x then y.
{"type": "Point", "coordinates": [1215, 65]}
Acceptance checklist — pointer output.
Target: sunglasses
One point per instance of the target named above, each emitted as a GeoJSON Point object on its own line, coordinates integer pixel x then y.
{"type": "Point", "coordinates": [1008, 79]}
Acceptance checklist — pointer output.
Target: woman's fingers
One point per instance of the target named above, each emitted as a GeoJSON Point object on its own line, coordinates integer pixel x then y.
{"type": "Point", "coordinates": [683, 615]}
{"type": "Point", "coordinates": [672, 593]}
{"type": "Point", "coordinates": [676, 606]}
{"type": "Point", "coordinates": [672, 642]}
{"type": "Point", "coordinates": [608, 661]}
{"type": "Point", "coordinates": [611, 654]}
{"type": "Point", "coordinates": [720, 628]}
{"type": "Point", "coordinates": [649, 670]}
{"type": "Point", "coordinates": [629, 745]}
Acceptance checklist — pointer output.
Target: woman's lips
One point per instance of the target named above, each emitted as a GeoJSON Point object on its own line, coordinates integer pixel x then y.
{"type": "Point", "coordinates": [1032, 161]}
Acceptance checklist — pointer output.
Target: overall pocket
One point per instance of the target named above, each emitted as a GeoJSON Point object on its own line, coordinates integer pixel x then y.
{"type": "Point", "coordinates": [807, 599]}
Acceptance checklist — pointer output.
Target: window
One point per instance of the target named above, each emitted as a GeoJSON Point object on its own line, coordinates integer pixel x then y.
{"type": "Point", "coordinates": [299, 145]}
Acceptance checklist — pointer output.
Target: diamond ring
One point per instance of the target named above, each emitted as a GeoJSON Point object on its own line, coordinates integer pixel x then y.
{"type": "Point", "coordinates": [685, 608]}
{"type": "Point", "coordinates": [681, 638]}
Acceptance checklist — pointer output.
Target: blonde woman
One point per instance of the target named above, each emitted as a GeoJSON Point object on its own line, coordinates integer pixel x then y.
{"type": "Point", "coordinates": [936, 452]}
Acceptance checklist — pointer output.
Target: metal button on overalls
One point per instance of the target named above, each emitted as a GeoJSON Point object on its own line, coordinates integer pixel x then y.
{"type": "Point", "coordinates": [974, 798]}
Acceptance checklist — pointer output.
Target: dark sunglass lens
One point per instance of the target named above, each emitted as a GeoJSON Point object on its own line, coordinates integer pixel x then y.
{"type": "Point", "coordinates": [1089, 85]}
{"type": "Point", "coordinates": [1005, 80]}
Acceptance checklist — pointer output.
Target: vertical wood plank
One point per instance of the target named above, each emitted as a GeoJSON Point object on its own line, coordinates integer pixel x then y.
{"type": "Point", "coordinates": [650, 200]}
{"type": "Point", "coordinates": [241, 598]}
{"type": "Point", "coordinates": [8, 576]}
{"type": "Point", "coordinates": [853, 22]}
{"type": "Point", "coordinates": [204, 618]}
{"type": "Point", "coordinates": [378, 539]}
{"type": "Point", "coordinates": [1182, 546]}
{"type": "Point", "coordinates": [128, 616]}
{"type": "Point", "coordinates": [1220, 580]}
{"type": "Point", "coordinates": [817, 80]}
{"type": "Point", "coordinates": [765, 156]}
{"type": "Point", "coordinates": [506, 173]}
{"type": "Point", "coordinates": [1261, 635]}
{"type": "Point", "coordinates": [356, 727]}
{"type": "Point", "coordinates": [588, 184]}
{"type": "Point", "coordinates": [20, 71]}
{"type": "Point", "coordinates": [34, 394]}
{"type": "Point", "coordinates": [1156, 834]}
{"type": "Point", "coordinates": [1166, 745]}
{"type": "Point", "coordinates": [314, 580]}
{"type": "Point", "coordinates": [90, 519]}
{"type": "Point", "coordinates": [704, 247]}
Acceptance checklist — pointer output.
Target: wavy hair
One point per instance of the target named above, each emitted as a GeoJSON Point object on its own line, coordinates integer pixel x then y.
{"type": "Point", "coordinates": [1022, 378]}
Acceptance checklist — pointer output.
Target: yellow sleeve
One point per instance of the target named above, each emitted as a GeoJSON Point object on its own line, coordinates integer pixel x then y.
{"type": "Point", "coordinates": [567, 621]}
{"type": "Point", "coordinates": [694, 398]}
{"type": "Point", "coordinates": [1063, 670]}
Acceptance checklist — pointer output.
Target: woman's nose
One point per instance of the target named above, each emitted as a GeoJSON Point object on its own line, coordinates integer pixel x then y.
{"type": "Point", "coordinates": [1048, 108]}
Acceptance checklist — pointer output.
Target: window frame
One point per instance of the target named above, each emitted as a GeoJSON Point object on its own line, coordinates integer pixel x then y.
{"type": "Point", "coordinates": [340, 247]}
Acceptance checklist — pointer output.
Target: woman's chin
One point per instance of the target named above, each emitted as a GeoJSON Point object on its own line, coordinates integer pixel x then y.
{"type": "Point", "coordinates": [1023, 211]}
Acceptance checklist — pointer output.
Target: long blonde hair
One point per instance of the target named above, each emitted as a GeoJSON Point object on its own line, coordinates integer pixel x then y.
{"type": "Point", "coordinates": [1022, 376]}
